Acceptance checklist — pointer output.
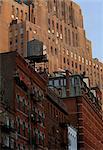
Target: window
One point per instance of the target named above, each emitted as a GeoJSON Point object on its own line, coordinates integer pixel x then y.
{"type": "Point", "coordinates": [57, 26]}
{"type": "Point", "coordinates": [18, 146]}
{"type": "Point", "coordinates": [23, 103]}
{"type": "Point", "coordinates": [72, 64]}
{"type": "Point", "coordinates": [64, 60]}
{"type": "Point", "coordinates": [22, 42]}
{"type": "Point", "coordinates": [48, 108]}
{"type": "Point", "coordinates": [23, 147]}
{"type": "Point", "coordinates": [16, 41]}
{"type": "Point", "coordinates": [34, 20]}
{"type": "Point", "coordinates": [21, 32]}
{"type": "Point", "coordinates": [22, 35]}
{"type": "Point", "coordinates": [76, 39]}
{"type": "Point", "coordinates": [94, 65]}
{"type": "Point", "coordinates": [90, 63]}
{"type": "Point", "coordinates": [55, 51]}
{"type": "Point", "coordinates": [51, 49]}
{"type": "Point", "coordinates": [56, 83]}
{"type": "Point", "coordinates": [80, 67]}
{"type": "Point", "coordinates": [62, 7]}
{"type": "Point", "coordinates": [50, 82]}
{"type": "Point", "coordinates": [64, 82]}
{"type": "Point", "coordinates": [21, 15]}
{"type": "Point", "coordinates": [13, 10]}
{"type": "Point", "coordinates": [54, 1]}
{"type": "Point", "coordinates": [65, 35]}
{"type": "Point", "coordinates": [10, 42]}
{"type": "Point", "coordinates": [26, 16]}
{"type": "Point", "coordinates": [18, 125]}
{"type": "Point", "coordinates": [7, 121]}
{"type": "Point", "coordinates": [17, 13]}
{"type": "Point", "coordinates": [39, 117]}
{"type": "Point", "coordinates": [29, 131]}
{"type": "Point", "coordinates": [75, 65]}
{"type": "Point", "coordinates": [0, 9]}
{"type": "Point", "coordinates": [61, 28]}
{"type": "Point", "coordinates": [23, 128]}
{"type": "Point", "coordinates": [52, 26]}
{"type": "Point", "coordinates": [69, 37]}
{"type": "Point", "coordinates": [73, 38]}
{"type": "Point", "coordinates": [86, 62]}
{"type": "Point", "coordinates": [61, 82]}
{"type": "Point", "coordinates": [68, 61]}
{"type": "Point", "coordinates": [43, 119]}
{"type": "Point", "coordinates": [79, 58]}
{"type": "Point", "coordinates": [75, 56]}
{"type": "Point", "coordinates": [56, 4]}
{"type": "Point", "coordinates": [48, 21]}
{"type": "Point", "coordinates": [51, 110]}
{"type": "Point", "coordinates": [49, 6]}
{"type": "Point", "coordinates": [43, 138]}
{"type": "Point", "coordinates": [39, 138]}
{"type": "Point", "coordinates": [82, 60]}
{"type": "Point", "coordinates": [71, 55]}
{"type": "Point", "coordinates": [97, 66]}
{"type": "Point", "coordinates": [18, 101]}
{"type": "Point", "coordinates": [49, 24]}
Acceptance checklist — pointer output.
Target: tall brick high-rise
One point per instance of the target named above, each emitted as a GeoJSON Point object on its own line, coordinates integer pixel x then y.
{"type": "Point", "coordinates": [59, 25]}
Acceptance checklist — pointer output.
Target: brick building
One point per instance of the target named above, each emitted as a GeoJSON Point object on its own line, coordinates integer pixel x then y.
{"type": "Point", "coordinates": [86, 111]}
{"type": "Point", "coordinates": [59, 25]}
{"type": "Point", "coordinates": [56, 129]}
{"type": "Point", "coordinates": [29, 111]}
{"type": "Point", "coordinates": [88, 122]}
{"type": "Point", "coordinates": [30, 91]}
{"type": "Point", "coordinates": [23, 99]}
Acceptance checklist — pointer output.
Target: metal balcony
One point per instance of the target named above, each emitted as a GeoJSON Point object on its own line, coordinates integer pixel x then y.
{"type": "Point", "coordinates": [21, 83]}
{"type": "Point", "coordinates": [63, 125]}
{"type": "Point", "coordinates": [5, 147]}
{"type": "Point", "coordinates": [33, 141]}
{"type": "Point", "coordinates": [36, 97]}
{"type": "Point", "coordinates": [8, 145]}
{"type": "Point", "coordinates": [7, 128]}
{"type": "Point", "coordinates": [35, 118]}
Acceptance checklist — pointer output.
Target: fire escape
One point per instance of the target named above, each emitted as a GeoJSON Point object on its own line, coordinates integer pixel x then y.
{"type": "Point", "coordinates": [7, 127]}
{"type": "Point", "coordinates": [34, 117]}
{"type": "Point", "coordinates": [7, 122]}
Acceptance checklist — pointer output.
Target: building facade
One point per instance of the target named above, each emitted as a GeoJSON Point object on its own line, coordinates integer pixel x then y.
{"type": "Point", "coordinates": [56, 119]}
{"type": "Point", "coordinates": [59, 25]}
{"type": "Point", "coordinates": [30, 116]}
{"type": "Point", "coordinates": [22, 109]}
{"type": "Point", "coordinates": [85, 113]}
{"type": "Point", "coordinates": [88, 122]}
{"type": "Point", "coordinates": [30, 113]}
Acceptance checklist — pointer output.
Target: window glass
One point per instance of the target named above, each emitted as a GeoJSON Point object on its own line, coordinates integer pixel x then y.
{"type": "Point", "coordinates": [56, 83]}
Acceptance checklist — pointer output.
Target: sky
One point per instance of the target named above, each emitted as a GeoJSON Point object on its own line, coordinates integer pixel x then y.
{"type": "Point", "coordinates": [92, 11]}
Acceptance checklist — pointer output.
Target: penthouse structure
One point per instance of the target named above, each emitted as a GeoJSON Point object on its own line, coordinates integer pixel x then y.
{"type": "Point", "coordinates": [84, 108]}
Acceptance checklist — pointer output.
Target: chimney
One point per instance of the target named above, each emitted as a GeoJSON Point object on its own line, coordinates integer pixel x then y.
{"type": "Point", "coordinates": [67, 82]}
